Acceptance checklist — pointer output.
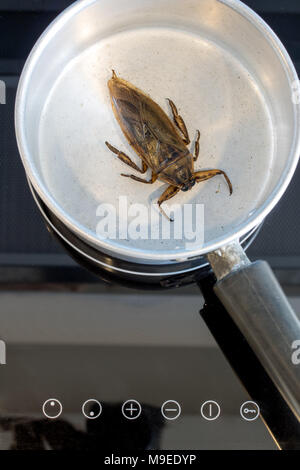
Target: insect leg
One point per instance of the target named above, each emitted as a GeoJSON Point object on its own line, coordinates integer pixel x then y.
{"type": "Point", "coordinates": [179, 122]}
{"type": "Point", "coordinates": [140, 180]}
{"type": "Point", "coordinates": [167, 194]}
{"type": "Point", "coordinates": [122, 156]}
{"type": "Point", "coordinates": [206, 175]}
{"type": "Point", "coordinates": [197, 146]}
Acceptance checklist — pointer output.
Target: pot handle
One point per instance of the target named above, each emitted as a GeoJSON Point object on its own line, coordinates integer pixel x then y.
{"type": "Point", "coordinates": [257, 304]}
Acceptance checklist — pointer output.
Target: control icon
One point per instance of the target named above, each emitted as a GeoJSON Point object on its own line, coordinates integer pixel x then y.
{"type": "Point", "coordinates": [171, 410]}
{"type": "Point", "coordinates": [92, 409]}
{"type": "Point", "coordinates": [210, 410]}
{"type": "Point", "coordinates": [131, 409]}
{"type": "Point", "coordinates": [52, 408]}
{"type": "Point", "coordinates": [250, 411]}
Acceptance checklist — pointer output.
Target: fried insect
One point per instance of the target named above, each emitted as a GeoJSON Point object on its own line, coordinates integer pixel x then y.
{"type": "Point", "coordinates": [156, 140]}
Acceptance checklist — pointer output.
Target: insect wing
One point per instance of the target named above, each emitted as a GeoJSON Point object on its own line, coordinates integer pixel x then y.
{"type": "Point", "coordinates": [145, 125]}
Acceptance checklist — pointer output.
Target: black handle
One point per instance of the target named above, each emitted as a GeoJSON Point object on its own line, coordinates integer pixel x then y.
{"type": "Point", "coordinates": [277, 416]}
{"type": "Point", "coordinates": [256, 303]}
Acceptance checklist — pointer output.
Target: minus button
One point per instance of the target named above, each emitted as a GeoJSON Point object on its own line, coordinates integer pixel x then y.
{"type": "Point", "coordinates": [171, 410]}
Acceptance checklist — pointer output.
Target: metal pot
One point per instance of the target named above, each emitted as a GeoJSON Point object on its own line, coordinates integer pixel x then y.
{"type": "Point", "coordinates": [123, 272]}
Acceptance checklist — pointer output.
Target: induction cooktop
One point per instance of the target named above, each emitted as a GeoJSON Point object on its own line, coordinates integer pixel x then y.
{"type": "Point", "coordinates": [88, 364]}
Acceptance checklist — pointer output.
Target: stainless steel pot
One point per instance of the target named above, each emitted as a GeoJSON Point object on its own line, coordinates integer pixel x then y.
{"type": "Point", "coordinates": [111, 269]}
{"type": "Point", "coordinates": [232, 78]}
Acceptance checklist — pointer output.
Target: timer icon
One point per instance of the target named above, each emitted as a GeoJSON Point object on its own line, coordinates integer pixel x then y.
{"type": "Point", "coordinates": [52, 408]}
{"type": "Point", "coordinates": [92, 409]}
